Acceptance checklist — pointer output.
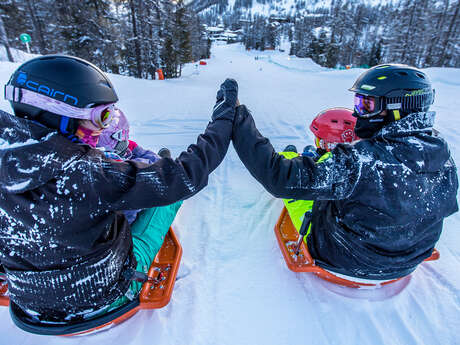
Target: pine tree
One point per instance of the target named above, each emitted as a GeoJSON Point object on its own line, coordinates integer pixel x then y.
{"type": "Point", "coordinates": [451, 40]}
{"type": "Point", "coordinates": [4, 40]}
{"type": "Point", "coordinates": [36, 13]}
{"type": "Point", "coordinates": [182, 36]}
{"type": "Point", "coordinates": [376, 54]}
{"type": "Point", "coordinates": [134, 9]}
{"type": "Point", "coordinates": [433, 38]}
{"type": "Point", "coordinates": [14, 22]}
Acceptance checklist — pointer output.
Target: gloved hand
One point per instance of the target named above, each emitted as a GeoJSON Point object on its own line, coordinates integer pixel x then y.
{"type": "Point", "coordinates": [310, 151]}
{"type": "Point", "coordinates": [227, 98]}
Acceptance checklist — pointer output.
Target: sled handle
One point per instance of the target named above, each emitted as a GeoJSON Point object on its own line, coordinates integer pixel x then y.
{"type": "Point", "coordinates": [303, 229]}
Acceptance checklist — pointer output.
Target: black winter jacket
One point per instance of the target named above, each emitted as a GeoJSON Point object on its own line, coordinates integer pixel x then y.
{"type": "Point", "coordinates": [63, 242]}
{"type": "Point", "coordinates": [379, 204]}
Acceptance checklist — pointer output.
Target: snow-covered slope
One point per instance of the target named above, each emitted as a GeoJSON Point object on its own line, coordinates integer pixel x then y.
{"type": "Point", "coordinates": [18, 55]}
{"type": "Point", "coordinates": [234, 287]}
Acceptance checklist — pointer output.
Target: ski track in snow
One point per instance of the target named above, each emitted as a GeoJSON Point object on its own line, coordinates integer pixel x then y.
{"type": "Point", "coordinates": [234, 286]}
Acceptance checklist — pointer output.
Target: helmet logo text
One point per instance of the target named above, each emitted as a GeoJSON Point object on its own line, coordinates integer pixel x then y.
{"type": "Point", "coordinates": [45, 90]}
{"type": "Point", "coordinates": [22, 78]}
{"type": "Point", "coordinates": [417, 92]}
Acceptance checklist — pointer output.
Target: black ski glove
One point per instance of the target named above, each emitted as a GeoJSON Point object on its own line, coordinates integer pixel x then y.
{"type": "Point", "coordinates": [226, 101]}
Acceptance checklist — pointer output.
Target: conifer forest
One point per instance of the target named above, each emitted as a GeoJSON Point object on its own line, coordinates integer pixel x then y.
{"type": "Point", "coordinates": [136, 37]}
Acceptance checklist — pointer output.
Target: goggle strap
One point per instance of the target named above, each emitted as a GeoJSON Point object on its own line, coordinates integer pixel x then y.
{"type": "Point", "coordinates": [52, 105]}
{"type": "Point", "coordinates": [317, 142]}
{"type": "Point", "coordinates": [409, 102]}
{"type": "Point", "coordinates": [11, 94]}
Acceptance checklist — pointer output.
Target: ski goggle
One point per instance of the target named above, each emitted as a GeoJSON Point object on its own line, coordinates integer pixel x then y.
{"type": "Point", "coordinates": [367, 106]}
{"type": "Point", "coordinates": [323, 144]}
{"type": "Point", "coordinates": [100, 115]}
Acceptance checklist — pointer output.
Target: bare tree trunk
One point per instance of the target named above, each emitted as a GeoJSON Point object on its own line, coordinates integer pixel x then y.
{"type": "Point", "coordinates": [450, 32]}
{"type": "Point", "coordinates": [434, 41]}
{"type": "Point", "coordinates": [137, 47]}
{"type": "Point", "coordinates": [4, 40]}
{"type": "Point", "coordinates": [420, 36]}
{"type": "Point", "coordinates": [38, 27]}
{"type": "Point", "coordinates": [409, 29]}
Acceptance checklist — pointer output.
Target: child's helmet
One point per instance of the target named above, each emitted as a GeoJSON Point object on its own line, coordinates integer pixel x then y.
{"type": "Point", "coordinates": [333, 126]}
{"type": "Point", "coordinates": [115, 136]}
{"type": "Point", "coordinates": [58, 90]}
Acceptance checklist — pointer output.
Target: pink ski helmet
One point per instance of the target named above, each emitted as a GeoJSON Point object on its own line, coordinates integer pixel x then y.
{"type": "Point", "coordinates": [333, 126]}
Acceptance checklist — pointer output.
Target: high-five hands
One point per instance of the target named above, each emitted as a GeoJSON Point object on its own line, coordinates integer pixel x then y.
{"type": "Point", "coordinates": [227, 100]}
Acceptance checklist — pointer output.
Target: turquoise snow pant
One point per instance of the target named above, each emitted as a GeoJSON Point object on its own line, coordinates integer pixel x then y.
{"type": "Point", "coordinates": [148, 232]}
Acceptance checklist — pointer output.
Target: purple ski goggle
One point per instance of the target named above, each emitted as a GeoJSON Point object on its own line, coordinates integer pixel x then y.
{"type": "Point", "coordinates": [367, 106]}
{"type": "Point", "coordinates": [100, 116]}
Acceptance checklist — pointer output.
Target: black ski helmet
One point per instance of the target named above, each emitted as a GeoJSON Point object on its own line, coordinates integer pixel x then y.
{"type": "Point", "coordinates": [82, 84]}
{"type": "Point", "coordinates": [399, 88]}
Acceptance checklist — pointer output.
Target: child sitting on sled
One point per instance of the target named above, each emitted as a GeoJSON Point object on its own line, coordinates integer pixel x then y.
{"type": "Point", "coordinates": [331, 127]}
{"type": "Point", "coordinates": [150, 226]}
{"type": "Point", "coordinates": [72, 255]}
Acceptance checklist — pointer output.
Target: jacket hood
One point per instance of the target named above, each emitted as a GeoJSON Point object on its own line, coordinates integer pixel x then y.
{"type": "Point", "coordinates": [28, 156]}
{"type": "Point", "coordinates": [415, 143]}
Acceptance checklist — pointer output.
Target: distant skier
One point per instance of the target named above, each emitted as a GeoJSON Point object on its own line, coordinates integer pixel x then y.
{"type": "Point", "coordinates": [330, 127]}
{"type": "Point", "coordinates": [380, 203]}
{"type": "Point", "coordinates": [67, 249]}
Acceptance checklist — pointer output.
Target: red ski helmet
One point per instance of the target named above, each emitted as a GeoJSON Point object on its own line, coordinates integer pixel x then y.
{"type": "Point", "coordinates": [333, 126]}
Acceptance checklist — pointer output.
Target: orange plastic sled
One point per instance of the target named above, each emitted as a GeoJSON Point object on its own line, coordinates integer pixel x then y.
{"type": "Point", "coordinates": [287, 237]}
{"type": "Point", "coordinates": [156, 293]}
{"type": "Point", "coordinates": [4, 299]}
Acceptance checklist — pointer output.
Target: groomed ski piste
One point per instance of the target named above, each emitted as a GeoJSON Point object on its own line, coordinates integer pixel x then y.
{"type": "Point", "coordinates": [233, 285]}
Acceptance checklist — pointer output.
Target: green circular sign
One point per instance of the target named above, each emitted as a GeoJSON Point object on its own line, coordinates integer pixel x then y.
{"type": "Point", "coordinates": [25, 38]}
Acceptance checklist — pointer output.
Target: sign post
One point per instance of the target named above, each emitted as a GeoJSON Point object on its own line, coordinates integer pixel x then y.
{"type": "Point", "coordinates": [25, 38]}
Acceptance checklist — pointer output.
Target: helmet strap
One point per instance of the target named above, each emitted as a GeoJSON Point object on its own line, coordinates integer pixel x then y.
{"type": "Point", "coordinates": [63, 125]}
{"type": "Point", "coordinates": [318, 142]}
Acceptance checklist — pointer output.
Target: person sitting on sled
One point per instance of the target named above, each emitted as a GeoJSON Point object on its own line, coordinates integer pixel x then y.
{"type": "Point", "coordinates": [379, 203]}
{"type": "Point", "coordinates": [67, 249]}
{"type": "Point", "coordinates": [149, 226]}
{"type": "Point", "coordinates": [116, 144]}
{"type": "Point", "coordinates": [330, 127]}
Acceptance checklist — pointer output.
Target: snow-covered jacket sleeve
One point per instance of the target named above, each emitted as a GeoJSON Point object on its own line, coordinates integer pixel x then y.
{"type": "Point", "coordinates": [298, 178]}
{"type": "Point", "coordinates": [132, 185]}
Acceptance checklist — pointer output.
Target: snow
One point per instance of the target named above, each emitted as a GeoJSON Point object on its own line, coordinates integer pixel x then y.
{"type": "Point", "coordinates": [18, 186]}
{"type": "Point", "coordinates": [18, 55]}
{"type": "Point", "coordinates": [6, 145]}
{"type": "Point", "coordinates": [234, 286]}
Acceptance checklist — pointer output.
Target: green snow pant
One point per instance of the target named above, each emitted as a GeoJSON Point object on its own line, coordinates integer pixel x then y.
{"type": "Point", "coordinates": [148, 232]}
{"type": "Point", "coordinates": [297, 208]}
